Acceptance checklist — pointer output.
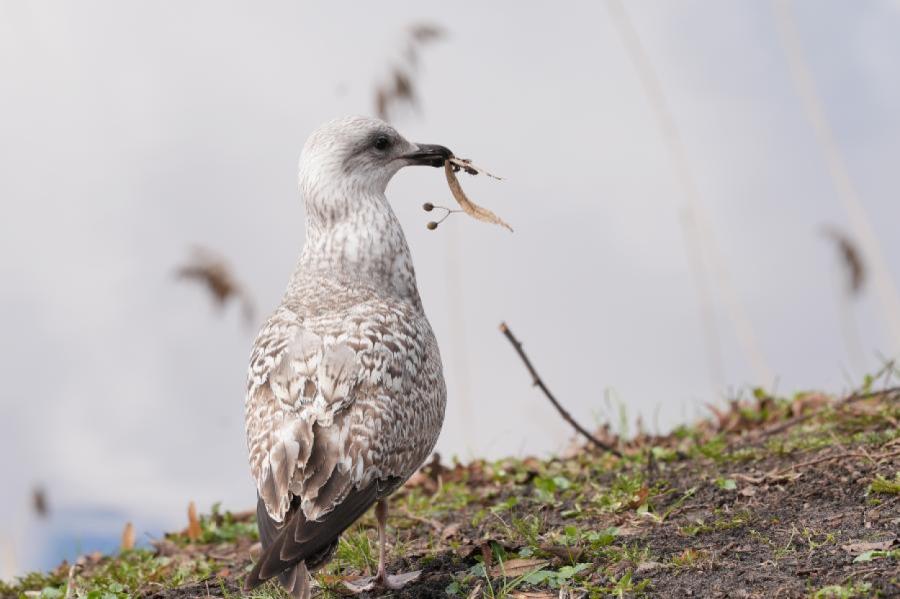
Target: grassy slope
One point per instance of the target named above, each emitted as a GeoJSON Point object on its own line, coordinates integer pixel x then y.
{"type": "Point", "coordinates": [762, 500]}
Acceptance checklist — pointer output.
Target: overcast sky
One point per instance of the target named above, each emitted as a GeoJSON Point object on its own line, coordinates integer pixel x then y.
{"type": "Point", "coordinates": [132, 131]}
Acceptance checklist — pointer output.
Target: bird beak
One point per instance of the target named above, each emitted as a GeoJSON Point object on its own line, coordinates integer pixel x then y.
{"type": "Point", "coordinates": [428, 155]}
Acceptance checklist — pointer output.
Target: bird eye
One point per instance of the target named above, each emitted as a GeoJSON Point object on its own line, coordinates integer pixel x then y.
{"type": "Point", "coordinates": [382, 143]}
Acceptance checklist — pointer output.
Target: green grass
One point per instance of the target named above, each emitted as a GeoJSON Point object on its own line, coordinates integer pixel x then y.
{"type": "Point", "coordinates": [122, 577]}
{"type": "Point", "coordinates": [885, 486]}
{"type": "Point", "coordinates": [595, 520]}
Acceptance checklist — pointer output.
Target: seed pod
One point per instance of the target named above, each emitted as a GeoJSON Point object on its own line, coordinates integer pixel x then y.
{"type": "Point", "coordinates": [431, 226]}
{"type": "Point", "coordinates": [427, 206]}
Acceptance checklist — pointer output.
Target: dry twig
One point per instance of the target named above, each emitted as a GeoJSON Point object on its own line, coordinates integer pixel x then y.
{"type": "Point", "coordinates": [538, 382]}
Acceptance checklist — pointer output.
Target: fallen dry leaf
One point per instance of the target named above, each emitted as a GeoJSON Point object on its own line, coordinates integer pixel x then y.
{"type": "Point", "coordinates": [534, 595]}
{"type": "Point", "coordinates": [808, 402]}
{"type": "Point", "coordinates": [626, 531]}
{"type": "Point", "coordinates": [165, 547]}
{"type": "Point", "coordinates": [450, 530]}
{"type": "Point", "coordinates": [358, 586]}
{"type": "Point", "coordinates": [645, 568]}
{"type": "Point", "coordinates": [193, 531]}
{"type": "Point", "coordinates": [487, 556]}
{"type": "Point", "coordinates": [422, 480]}
{"type": "Point", "coordinates": [127, 537]}
{"type": "Point", "coordinates": [469, 207]}
{"type": "Point", "coordinates": [517, 567]}
{"type": "Point", "coordinates": [429, 477]}
{"type": "Point", "coordinates": [747, 478]}
{"type": "Point", "coordinates": [861, 547]}
{"type": "Point", "coordinates": [639, 498]}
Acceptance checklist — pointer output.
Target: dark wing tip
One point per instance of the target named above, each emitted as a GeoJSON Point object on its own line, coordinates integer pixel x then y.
{"type": "Point", "coordinates": [301, 540]}
{"type": "Point", "coordinates": [253, 579]}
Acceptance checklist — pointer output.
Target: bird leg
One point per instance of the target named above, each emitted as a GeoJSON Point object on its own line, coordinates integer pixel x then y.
{"type": "Point", "coordinates": [382, 579]}
{"type": "Point", "coordinates": [381, 510]}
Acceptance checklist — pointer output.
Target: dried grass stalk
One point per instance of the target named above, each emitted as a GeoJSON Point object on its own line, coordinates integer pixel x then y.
{"type": "Point", "coordinates": [127, 537]}
{"type": "Point", "coordinates": [852, 259]}
{"type": "Point", "coordinates": [194, 530]}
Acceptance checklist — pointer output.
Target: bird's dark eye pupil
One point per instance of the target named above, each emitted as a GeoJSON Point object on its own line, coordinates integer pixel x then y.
{"type": "Point", "coordinates": [382, 143]}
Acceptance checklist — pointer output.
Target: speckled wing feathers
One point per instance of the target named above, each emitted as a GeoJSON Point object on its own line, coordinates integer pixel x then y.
{"type": "Point", "coordinates": [338, 399]}
{"type": "Point", "coordinates": [298, 384]}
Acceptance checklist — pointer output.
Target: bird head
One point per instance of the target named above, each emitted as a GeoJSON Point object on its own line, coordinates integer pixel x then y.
{"type": "Point", "coordinates": [361, 155]}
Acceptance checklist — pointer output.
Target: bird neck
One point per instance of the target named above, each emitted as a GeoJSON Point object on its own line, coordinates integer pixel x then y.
{"type": "Point", "coordinates": [360, 243]}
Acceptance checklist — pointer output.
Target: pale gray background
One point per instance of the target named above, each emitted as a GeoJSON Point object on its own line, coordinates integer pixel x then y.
{"type": "Point", "coordinates": [132, 130]}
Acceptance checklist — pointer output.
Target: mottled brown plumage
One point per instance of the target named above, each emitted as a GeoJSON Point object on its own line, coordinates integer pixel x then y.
{"type": "Point", "coordinates": [345, 395]}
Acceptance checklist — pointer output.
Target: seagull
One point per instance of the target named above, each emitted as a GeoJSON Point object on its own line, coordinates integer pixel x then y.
{"type": "Point", "coordinates": [345, 392]}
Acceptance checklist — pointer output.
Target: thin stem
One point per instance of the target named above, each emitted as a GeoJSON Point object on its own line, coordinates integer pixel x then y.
{"type": "Point", "coordinates": [538, 382]}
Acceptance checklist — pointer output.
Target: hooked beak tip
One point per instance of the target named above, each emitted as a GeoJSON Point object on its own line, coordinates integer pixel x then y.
{"type": "Point", "coordinates": [429, 155]}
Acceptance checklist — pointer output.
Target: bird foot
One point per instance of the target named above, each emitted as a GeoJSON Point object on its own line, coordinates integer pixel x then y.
{"type": "Point", "coordinates": [385, 581]}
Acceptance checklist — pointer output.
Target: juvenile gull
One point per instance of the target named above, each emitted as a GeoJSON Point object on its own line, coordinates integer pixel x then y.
{"type": "Point", "coordinates": [345, 393]}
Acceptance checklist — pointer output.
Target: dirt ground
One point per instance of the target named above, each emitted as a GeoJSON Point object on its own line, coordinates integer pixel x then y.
{"type": "Point", "coordinates": [770, 498]}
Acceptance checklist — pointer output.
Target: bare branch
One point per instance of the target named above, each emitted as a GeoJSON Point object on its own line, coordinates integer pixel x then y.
{"type": "Point", "coordinates": [538, 382]}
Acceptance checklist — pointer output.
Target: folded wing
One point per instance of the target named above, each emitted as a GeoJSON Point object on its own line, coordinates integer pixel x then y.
{"type": "Point", "coordinates": [312, 468]}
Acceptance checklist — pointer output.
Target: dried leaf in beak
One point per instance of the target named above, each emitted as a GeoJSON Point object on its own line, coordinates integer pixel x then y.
{"type": "Point", "coordinates": [466, 165]}
{"type": "Point", "coordinates": [469, 207]}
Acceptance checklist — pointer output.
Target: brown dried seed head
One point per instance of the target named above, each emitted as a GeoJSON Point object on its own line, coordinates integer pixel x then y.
{"type": "Point", "coordinates": [427, 206]}
{"type": "Point", "coordinates": [127, 537]}
{"type": "Point", "coordinates": [426, 32]}
{"type": "Point", "coordinates": [194, 529]}
{"type": "Point", "coordinates": [431, 226]}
